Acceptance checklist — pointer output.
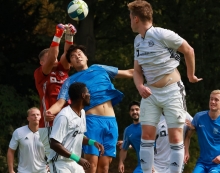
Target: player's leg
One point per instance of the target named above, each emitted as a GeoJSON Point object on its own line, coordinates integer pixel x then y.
{"type": "Point", "coordinates": [138, 169]}
{"type": "Point", "coordinates": [174, 111]}
{"type": "Point", "coordinates": [110, 137]}
{"type": "Point", "coordinates": [44, 134]}
{"type": "Point", "coordinates": [199, 168]}
{"type": "Point", "coordinates": [103, 164]}
{"type": "Point", "coordinates": [149, 118]}
{"type": "Point", "coordinates": [93, 160]}
{"type": "Point", "coordinates": [214, 169]}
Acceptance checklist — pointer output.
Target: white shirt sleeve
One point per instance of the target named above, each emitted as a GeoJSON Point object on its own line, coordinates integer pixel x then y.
{"type": "Point", "coordinates": [14, 140]}
{"type": "Point", "coordinates": [171, 39]}
{"type": "Point", "coordinates": [60, 128]}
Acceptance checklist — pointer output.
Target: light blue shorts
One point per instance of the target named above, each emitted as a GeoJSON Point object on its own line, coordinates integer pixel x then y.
{"type": "Point", "coordinates": [103, 129]}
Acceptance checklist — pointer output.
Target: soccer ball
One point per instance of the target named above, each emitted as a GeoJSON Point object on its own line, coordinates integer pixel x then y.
{"type": "Point", "coordinates": [77, 10]}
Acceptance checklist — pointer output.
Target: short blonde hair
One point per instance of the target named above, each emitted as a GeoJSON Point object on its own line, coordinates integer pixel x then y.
{"type": "Point", "coordinates": [215, 91]}
{"type": "Point", "coordinates": [141, 9]}
{"type": "Point", "coordinates": [29, 110]}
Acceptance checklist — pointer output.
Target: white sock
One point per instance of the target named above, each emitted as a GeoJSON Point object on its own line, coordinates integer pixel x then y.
{"type": "Point", "coordinates": [176, 157]}
{"type": "Point", "coordinates": [147, 155]}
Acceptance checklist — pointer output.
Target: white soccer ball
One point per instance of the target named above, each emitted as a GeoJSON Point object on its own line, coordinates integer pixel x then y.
{"type": "Point", "coordinates": [77, 10]}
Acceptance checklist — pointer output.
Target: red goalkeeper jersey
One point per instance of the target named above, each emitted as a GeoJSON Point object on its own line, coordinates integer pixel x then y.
{"type": "Point", "coordinates": [48, 87]}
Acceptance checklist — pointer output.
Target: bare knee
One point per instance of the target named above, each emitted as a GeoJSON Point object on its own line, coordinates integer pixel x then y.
{"type": "Point", "coordinates": [103, 164]}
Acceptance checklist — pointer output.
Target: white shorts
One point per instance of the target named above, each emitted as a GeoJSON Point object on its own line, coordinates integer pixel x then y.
{"type": "Point", "coordinates": [164, 169]}
{"type": "Point", "coordinates": [45, 138]}
{"type": "Point", "coordinates": [170, 100]}
{"type": "Point", "coordinates": [62, 166]}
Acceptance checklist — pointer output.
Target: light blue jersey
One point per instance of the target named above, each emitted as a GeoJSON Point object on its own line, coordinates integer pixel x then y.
{"type": "Point", "coordinates": [208, 132]}
{"type": "Point", "coordinates": [132, 136]}
{"type": "Point", "coordinates": [97, 79]}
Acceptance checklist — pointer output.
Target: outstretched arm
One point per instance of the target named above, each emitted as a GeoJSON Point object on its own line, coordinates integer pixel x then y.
{"type": "Point", "coordinates": [189, 55]}
{"type": "Point", "coordinates": [10, 160]}
{"type": "Point", "coordinates": [125, 73]}
{"type": "Point", "coordinates": [69, 35]}
{"type": "Point", "coordinates": [48, 62]}
{"type": "Point", "coordinates": [54, 109]}
{"type": "Point", "coordinates": [139, 81]}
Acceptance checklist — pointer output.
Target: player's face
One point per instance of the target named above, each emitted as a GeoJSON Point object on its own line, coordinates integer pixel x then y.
{"type": "Point", "coordinates": [44, 58]}
{"type": "Point", "coordinates": [34, 116]}
{"type": "Point", "coordinates": [133, 22]}
{"type": "Point", "coordinates": [214, 102]}
{"type": "Point", "coordinates": [135, 112]}
{"type": "Point", "coordinates": [86, 97]}
{"type": "Point", "coordinates": [78, 60]}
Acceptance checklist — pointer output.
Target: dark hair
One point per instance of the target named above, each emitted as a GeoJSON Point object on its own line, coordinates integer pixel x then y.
{"type": "Point", "coordinates": [133, 103]}
{"type": "Point", "coordinates": [75, 90]}
{"type": "Point", "coordinates": [73, 48]}
{"type": "Point", "coordinates": [42, 53]}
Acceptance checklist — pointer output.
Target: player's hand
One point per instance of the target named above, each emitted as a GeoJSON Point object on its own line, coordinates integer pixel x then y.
{"type": "Point", "coordinates": [60, 28]}
{"type": "Point", "coordinates": [119, 144]}
{"type": "Point", "coordinates": [194, 79]}
{"type": "Point", "coordinates": [144, 91]}
{"type": "Point", "coordinates": [84, 163]}
{"type": "Point", "coordinates": [121, 167]}
{"type": "Point", "coordinates": [70, 29]}
{"type": "Point", "coordinates": [49, 116]}
{"type": "Point", "coordinates": [216, 160]}
{"type": "Point", "coordinates": [153, 170]}
{"type": "Point", "coordinates": [189, 124]}
{"type": "Point", "coordinates": [100, 147]}
{"type": "Point", "coordinates": [186, 157]}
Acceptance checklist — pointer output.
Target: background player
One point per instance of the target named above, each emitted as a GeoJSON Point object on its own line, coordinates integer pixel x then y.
{"type": "Point", "coordinates": [67, 134]}
{"type": "Point", "coordinates": [207, 126]}
{"type": "Point", "coordinates": [31, 151]}
{"type": "Point", "coordinates": [100, 116]}
{"type": "Point", "coordinates": [132, 136]}
{"type": "Point", "coordinates": [156, 59]}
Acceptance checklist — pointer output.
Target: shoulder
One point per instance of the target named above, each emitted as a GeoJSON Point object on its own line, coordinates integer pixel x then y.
{"type": "Point", "coordinates": [21, 131]}
{"type": "Point", "coordinates": [38, 71]}
{"type": "Point", "coordinates": [159, 33]}
{"type": "Point", "coordinates": [200, 114]}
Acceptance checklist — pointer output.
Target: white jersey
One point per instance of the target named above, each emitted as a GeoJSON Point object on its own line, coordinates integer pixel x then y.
{"type": "Point", "coordinates": [162, 146]}
{"type": "Point", "coordinates": [30, 150]}
{"type": "Point", "coordinates": [156, 53]}
{"type": "Point", "coordinates": [68, 129]}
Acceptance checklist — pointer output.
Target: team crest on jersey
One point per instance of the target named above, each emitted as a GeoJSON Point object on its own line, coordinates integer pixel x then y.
{"type": "Point", "coordinates": [61, 73]}
{"type": "Point", "coordinates": [150, 43]}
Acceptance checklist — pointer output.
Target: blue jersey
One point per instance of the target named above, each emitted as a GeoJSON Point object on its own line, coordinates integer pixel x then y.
{"type": "Point", "coordinates": [132, 136]}
{"type": "Point", "coordinates": [208, 132]}
{"type": "Point", "coordinates": [97, 80]}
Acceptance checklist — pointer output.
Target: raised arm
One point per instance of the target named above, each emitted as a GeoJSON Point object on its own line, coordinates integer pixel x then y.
{"type": "Point", "coordinates": [139, 81]}
{"type": "Point", "coordinates": [10, 160]}
{"type": "Point", "coordinates": [49, 62]}
{"type": "Point", "coordinates": [189, 55]}
{"type": "Point", "coordinates": [125, 73]}
{"type": "Point", "coordinates": [69, 34]}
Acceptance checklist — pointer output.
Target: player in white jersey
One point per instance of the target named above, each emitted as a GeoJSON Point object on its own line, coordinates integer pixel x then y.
{"type": "Point", "coordinates": [156, 59]}
{"type": "Point", "coordinates": [67, 134]}
{"type": "Point", "coordinates": [162, 147]}
{"type": "Point", "coordinates": [31, 151]}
